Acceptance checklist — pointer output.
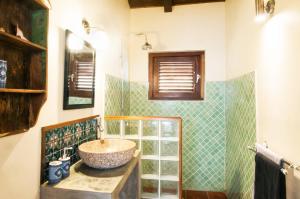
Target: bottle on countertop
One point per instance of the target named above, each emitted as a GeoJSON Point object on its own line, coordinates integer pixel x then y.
{"type": "Point", "coordinates": [65, 167]}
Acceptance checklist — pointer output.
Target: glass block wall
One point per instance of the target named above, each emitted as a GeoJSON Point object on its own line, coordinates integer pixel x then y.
{"type": "Point", "coordinates": [159, 143]}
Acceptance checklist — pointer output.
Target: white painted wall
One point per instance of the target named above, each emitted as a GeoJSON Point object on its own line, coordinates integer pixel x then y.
{"type": "Point", "coordinates": [272, 49]}
{"type": "Point", "coordinates": [20, 154]}
{"type": "Point", "coordinates": [188, 27]}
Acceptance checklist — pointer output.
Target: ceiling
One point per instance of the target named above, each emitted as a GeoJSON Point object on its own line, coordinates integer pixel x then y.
{"type": "Point", "coordinates": [167, 4]}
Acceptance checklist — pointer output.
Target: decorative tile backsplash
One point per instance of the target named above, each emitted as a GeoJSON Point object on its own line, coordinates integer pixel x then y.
{"type": "Point", "coordinates": [71, 135]}
{"type": "Point", "coordinates": [240, 133]}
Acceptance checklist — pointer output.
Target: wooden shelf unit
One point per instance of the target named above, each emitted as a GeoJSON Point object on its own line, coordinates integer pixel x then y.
{"type": "Point", "coordinates": [20, 43]}
{"type": "Point", "coordinates": [26, 85]}
{"type": "Point", "coordinates": [13, 90]}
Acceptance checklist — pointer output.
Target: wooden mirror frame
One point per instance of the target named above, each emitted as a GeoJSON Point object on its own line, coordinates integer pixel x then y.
{"type": "Point", "coordinates": [66, 105]}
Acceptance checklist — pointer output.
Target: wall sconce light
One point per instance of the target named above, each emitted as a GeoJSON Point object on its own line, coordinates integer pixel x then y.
{"type": "Point", "coordinates": [96, 36]}
{"type": "Point", "coordinates": [264, 8]}
{"type": "Point", "coordinates": [147, 45]}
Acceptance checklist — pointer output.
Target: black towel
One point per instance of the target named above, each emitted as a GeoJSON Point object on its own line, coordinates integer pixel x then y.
{"type": "Point", "coordinates": [269, 180]}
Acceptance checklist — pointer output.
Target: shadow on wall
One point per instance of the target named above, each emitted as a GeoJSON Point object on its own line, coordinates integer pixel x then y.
{"type": "Point", "coordinates": [237, 185]}
{"type": "Point", "coordinates": [293, 184]}
{"type": "Point", "coordinates": [8, 145]}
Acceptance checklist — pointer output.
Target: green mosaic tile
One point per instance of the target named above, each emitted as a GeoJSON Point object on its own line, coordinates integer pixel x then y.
{"type": "Point", "coordinates": [112, 127]}
{"type": "Point", "coordinates": [113, 95]}
{"type": "Point", "coordinates": [203, 132]}
{"type": "Point", "coordinates": [117, 96]}
{"type": "Point", "coordinates": [240, 133]}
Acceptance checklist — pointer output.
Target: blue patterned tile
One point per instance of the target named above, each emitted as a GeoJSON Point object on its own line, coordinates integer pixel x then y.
{"type": "Point", "coordinates": [72, 135]}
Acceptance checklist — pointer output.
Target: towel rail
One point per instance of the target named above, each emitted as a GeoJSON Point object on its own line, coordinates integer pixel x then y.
{"type": "Point", "coordinates": [288, 163]}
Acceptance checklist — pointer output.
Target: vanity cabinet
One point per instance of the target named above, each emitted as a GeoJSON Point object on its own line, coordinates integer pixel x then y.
{"type": "Point", "coordinates": [85, 182]}
{"type": "Point", "coordinates": [25, 90]}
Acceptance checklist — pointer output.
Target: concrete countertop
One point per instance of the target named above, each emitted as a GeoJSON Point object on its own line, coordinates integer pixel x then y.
{"type": "Point", "coordinates": [86, 182]}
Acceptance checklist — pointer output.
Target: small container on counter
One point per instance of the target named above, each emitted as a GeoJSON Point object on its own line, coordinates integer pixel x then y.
{"type": "Point", "coordinates": [65, 167]}
{"type": "Point", "coordinates": [55, 172]}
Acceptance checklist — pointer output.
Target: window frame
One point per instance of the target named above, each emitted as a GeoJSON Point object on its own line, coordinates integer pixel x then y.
{"type": "Point", "coordinates": [153, 74]}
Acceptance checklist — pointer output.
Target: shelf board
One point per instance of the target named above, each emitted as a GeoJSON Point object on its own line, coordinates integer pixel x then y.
{"type": "Point", "coordinates": [20, 43]}
{"type": "Point", "coordinates": [12, 90]}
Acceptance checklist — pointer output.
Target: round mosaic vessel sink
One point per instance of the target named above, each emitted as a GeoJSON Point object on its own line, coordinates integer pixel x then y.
{"type": "Point", "coordinates": [109, 154]}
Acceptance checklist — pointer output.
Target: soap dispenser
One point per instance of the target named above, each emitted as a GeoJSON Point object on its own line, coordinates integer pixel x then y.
{"type": "Point", "coordinates": [65, 167]}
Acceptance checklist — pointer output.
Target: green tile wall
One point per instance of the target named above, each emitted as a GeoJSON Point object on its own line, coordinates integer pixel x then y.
{"type": "Point", "coordinates": [117, 96]}
{"type": "Point", "coordinates": [228, 111]}
{"type": "Point", "coordinates": [240, 133]}
{"type": "Point", "coordinates": [113, 95]}
{"type": "Point", "coordinates": [203, 132]}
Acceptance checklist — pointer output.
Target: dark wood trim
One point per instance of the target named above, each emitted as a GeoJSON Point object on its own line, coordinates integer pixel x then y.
{"type": "Point", "coordinates": [12, 90]}
{"type": "Point", "coordinates": [27, 82]}
{"type": "Point", "coordinates": [168, 5]}
{"type": "Point", "coordinates": [66, 105]}
{"type": "Point", "coordinates": [160, 3]}
{"type": "Point", "coordinates": [180, 159]}
{"type": "Point", "coordinates": [153, 82]}
{"type": "Point", "coordinates": [193, 194]}
{"type": "Point", "coordinates": [62, 124]}
{"type": "Point", "coordinates": [140, 118]}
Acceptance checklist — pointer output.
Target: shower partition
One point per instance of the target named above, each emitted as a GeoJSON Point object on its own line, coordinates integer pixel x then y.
{"type": "Point", "coordinates": [160, 141]}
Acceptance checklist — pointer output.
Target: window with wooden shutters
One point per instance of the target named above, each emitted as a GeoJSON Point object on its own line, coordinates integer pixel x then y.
{"type": "Point", "coordinates": [81, 77]}
{"type": "Point", "coordinates": [176, 75]}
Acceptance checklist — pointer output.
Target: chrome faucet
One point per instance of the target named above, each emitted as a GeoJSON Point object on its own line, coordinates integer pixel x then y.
{"type": "Point", "coordinates": [100, 129]}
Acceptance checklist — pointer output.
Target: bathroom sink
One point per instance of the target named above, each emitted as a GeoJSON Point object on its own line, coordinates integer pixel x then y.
{"type": "Point", "coordinates": [108, 154]}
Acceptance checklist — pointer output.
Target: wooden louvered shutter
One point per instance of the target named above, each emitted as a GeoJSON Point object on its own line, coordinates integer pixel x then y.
{"type": "Point", "coordinates": [176, 76]}
{"type": "Point", "coordinates": [82, 75]}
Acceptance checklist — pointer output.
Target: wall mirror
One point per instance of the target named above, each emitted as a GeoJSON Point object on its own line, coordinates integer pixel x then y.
{"type": "Point", "coordinates": [79, 75]}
